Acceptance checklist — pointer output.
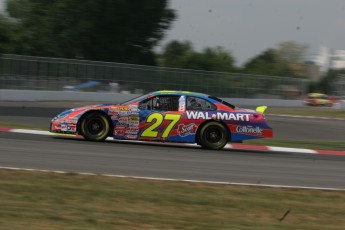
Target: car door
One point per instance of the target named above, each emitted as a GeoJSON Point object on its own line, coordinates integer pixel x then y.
{"type": "Point", "coordinates": [160, 117]}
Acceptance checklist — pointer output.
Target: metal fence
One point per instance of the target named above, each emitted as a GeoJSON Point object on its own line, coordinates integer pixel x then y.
{"type": "Point", "coordinates": [41, 73]}
{"type": "Point", "coordinates": [339, 85]}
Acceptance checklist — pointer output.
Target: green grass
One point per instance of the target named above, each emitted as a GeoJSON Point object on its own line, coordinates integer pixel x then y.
{"type": "Point", "coordinates": [307, 111]}
{"type": "Point", "coordinates": [35, 200]}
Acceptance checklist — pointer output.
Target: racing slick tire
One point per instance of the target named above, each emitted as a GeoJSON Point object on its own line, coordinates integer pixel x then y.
{"type": "Point", "coordinates": [213, 135]}
{"type": "Point", "coordinates": [95, 127]}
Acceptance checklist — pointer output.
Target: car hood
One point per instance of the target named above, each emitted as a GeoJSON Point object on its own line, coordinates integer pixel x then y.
{"type": "Point", "coordinates": [79, 110]}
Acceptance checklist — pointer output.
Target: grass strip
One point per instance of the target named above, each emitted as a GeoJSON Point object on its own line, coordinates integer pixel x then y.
{"type": "Point", "coordinates": [22, 126]}
{"type": "Point", "coordinates": [316, 112]}
{"type": "Point", "coordinates": [36, 200]}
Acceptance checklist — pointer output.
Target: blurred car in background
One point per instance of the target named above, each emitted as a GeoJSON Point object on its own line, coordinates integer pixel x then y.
{"type": "Point", "coordinates": [89, 85]}
{"type": "Point", "coordinates": [319, 99]}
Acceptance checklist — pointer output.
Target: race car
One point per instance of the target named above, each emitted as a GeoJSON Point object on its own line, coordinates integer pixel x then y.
{"type": "Point", "coordinates": [318, 99]}
{"type": "Point", "coordinates": [166, 116]}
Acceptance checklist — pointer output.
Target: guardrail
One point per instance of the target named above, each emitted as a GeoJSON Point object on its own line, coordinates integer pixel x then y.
{"type": "Point", "coordinates": [41, 95]}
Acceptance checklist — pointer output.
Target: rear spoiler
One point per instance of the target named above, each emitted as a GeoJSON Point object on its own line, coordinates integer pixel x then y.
{"type": "Point", "coordinates": [261, 109]}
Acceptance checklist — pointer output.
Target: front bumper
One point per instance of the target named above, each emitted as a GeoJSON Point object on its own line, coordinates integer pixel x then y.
{"type": "Point", "coordinates": [63, 127]}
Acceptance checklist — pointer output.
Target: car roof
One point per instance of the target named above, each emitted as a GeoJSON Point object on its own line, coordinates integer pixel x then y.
{"type": "Point", "coordinates": [176, 92]}
{"type": "Point", "coordinates": [316, 94]}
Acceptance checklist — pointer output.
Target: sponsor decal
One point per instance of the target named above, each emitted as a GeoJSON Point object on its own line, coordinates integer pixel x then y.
{"type": "Point", "coordinates": [133, 124]}
{"type": "Point", "coordinates": [196, 115]}
{"type": "Point", "coordinates": [132, 131]}
{"type": "Point", "coordinates": [71, 128]}
{"type": "Point", "coordinates": [249, 129]}
{"type": "Point", "coordinates": [123, 120]}
{"type": "Point", "coordinates": [182, 103]}
{"type": "Point", "coordinates": [114, 117]}
{"type": "Point", "coordinates": [69, 121]}
{"type": "Point", "coordinates": [134, 109]}
{"type": "Point", "coordinates": [133, 121]}
{"type": "Point", "coordinates": [119, 132]}
{"type": "Point", "coordinates": [185, 130]}
{"type": "Point", "coordinates": [121, 125]}
{"type": "Point", "coordinates": [131, 136]}
{"type": "Point", "coordinates": [134, 118]}
{"type": "Point", "coordinates": [124, 111]}
{"type": "Point", "coordinates": [63, 127]}
{"type": "Point", "coordinates": [113, 111]}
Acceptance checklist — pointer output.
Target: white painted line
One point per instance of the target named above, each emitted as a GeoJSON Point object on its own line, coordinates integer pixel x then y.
{"type": "Point", "coordinates": [178, 180]}
{"type": "Point", "coordinates": [292, 150]}
{"type": "Point", "coordinates": [28, 131]}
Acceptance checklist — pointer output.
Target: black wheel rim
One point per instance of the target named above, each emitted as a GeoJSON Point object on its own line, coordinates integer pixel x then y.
{"type": "Point", "coordinates": [214, 134]}
{"type": "Point", "coordinates": [95, 126]}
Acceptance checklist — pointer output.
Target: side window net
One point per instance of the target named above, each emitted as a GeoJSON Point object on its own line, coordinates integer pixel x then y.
{"type": "Point", "coordinates": [196, 103]}
{"type": "Point", "coordinates": [166, 103]}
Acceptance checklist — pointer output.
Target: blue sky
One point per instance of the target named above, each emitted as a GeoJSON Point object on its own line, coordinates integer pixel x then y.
{"type": "Point", "coordinates": [248, 27]}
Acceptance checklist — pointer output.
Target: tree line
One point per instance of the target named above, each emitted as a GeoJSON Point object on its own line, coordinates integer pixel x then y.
{"type": "Point", "coordinates": [127, 32]}
{"type": "Point", "coordinates": [102, 30]}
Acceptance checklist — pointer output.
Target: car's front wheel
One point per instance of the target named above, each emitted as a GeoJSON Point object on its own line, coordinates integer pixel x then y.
{"type": "Point", "coordinates": [213, 135]}
{"type": "Point", "coordinates": [95, 127]}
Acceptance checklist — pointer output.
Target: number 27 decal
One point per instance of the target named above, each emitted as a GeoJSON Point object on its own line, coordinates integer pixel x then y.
{"type": "Point", "coordinates": [156, 119]}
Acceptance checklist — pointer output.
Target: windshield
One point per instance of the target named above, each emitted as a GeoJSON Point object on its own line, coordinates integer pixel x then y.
{"type": "Point", "coordinates": [136, 99]}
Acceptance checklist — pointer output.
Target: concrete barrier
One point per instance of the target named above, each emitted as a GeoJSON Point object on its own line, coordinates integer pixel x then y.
{"type": "Point", "coordinates": [37, 95]}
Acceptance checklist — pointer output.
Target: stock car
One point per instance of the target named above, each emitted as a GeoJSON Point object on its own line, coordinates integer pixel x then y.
{"type": "Point", "coordinates": [166, 116]}
{"type": "Point", "coordinates": [318, 99]}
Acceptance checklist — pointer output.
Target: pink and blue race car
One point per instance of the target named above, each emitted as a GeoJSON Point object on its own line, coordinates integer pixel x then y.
{"type": "Point", "coordinates": [166, 116]}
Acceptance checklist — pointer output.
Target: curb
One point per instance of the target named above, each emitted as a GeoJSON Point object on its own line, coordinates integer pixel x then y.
{"type": "Point", "coordinates": [233, 146]}
{"type": "Point", "coordinates": [284, 149]}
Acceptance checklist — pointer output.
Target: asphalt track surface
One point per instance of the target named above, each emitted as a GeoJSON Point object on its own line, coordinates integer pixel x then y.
{"type": "Point", "coordinates": [171, 161]}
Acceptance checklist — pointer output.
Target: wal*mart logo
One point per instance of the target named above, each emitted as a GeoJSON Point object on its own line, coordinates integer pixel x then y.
{"type": "Point", "coordinates": [196, 115]}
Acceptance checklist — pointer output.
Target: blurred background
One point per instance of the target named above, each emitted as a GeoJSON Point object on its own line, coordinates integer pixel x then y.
{"type": "Point", "coordinates": [233, 49]}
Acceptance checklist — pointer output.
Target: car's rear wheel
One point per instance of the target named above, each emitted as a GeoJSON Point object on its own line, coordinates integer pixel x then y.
{"type": "Point", "coordinates": [95, 127]}
{"type": "Point", "coordinates": [213, 135]}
